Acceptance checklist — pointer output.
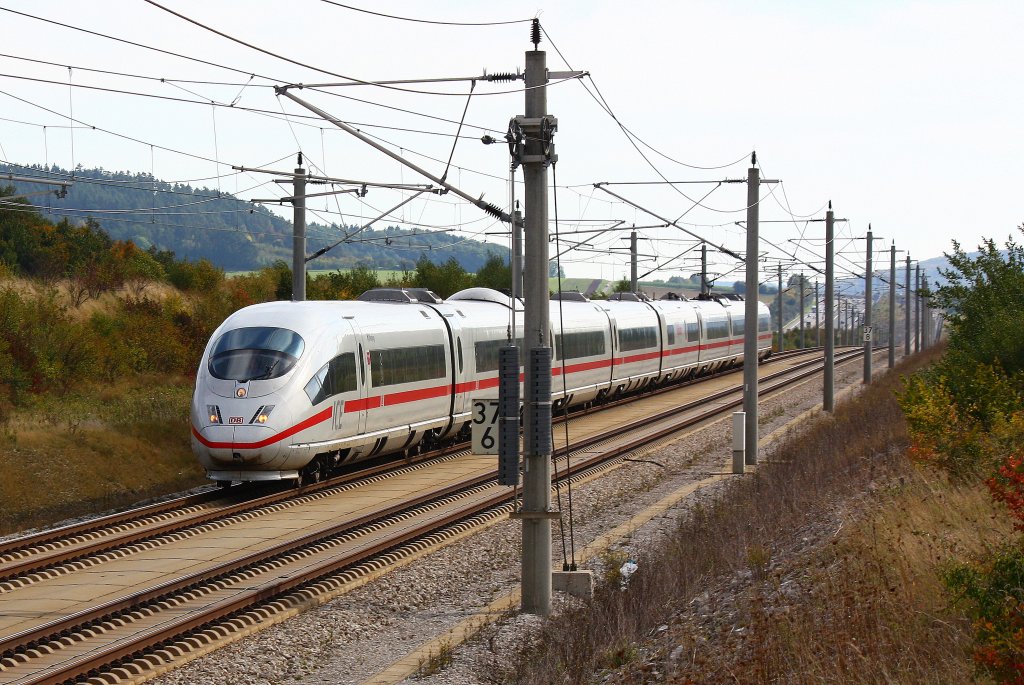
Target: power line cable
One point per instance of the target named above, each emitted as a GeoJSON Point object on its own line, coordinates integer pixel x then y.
{"type": "Point", "coordinates": [135, 76]}
{"type": "Point", "coordinates": [236, 70]}
{"type": "Point", "coordinates": [427, 21]}
{"type": "Point", "coordinates": [313, 67]}
{"type": "Point", "coordinates": [604, 105]}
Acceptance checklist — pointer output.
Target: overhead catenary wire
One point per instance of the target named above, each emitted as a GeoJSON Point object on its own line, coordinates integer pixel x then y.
{"type": "Point", "coordinates": [306, 65]}
{"type": "Point", "coordinates": [427, 21]}
{"type": "Point", "coordinates": [604, 105]}
{"type": "Point", "coordinates": [270, 79]}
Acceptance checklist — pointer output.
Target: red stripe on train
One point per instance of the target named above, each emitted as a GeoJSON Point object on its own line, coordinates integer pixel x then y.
{"type": "Point", "coordinates": [325, 415]}
{"type": "Point", "coordinates": [363, 404]}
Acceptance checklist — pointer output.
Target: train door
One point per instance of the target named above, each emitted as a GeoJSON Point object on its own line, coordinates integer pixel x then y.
{"type": "Point", "coordinates": [358, 405]}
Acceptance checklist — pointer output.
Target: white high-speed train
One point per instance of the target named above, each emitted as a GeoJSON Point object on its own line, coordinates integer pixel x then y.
{"type": "Point", "coordinates": [289, 390]}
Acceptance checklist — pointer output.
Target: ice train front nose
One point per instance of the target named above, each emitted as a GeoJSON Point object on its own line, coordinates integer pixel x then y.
{"type": "Point", "coordinates": [240, 415]}
{"type": "Point", "coordinates": [242, 437]}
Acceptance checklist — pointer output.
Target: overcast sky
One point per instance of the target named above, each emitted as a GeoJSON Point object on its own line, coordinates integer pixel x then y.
{"type": "Point", "coordinates": [907, 115]}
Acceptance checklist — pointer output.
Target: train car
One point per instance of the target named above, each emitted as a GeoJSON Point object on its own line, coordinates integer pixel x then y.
{"type": "Point", "coordinates": [289, 390]}
{"type": "Point", "coordinates": [582, 353]}
{"type": "Point", "coordinates": [680, 356]}
{"type": "Point", "coordinates": [637, 330]}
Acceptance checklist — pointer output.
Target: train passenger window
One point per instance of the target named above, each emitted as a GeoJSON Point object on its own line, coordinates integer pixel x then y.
{"type": "Point", "coordinates": [671, 334]}
{"type": "Point", "coordinates": [487, 353]}
{"type": "Point", "coordinates": [637, 338]}
{"type": "Point", "coordinates": [458, 344]}
{"type": "Point", "coordinates": [334, 377]}
{"type": "Point", "coordinates": [764, 322]}
{"type": "Point", "coordinates": [692, 331]}
{"type": "Point", "coordinates": [581, 344]}
{"type": "Point", "coordinates": [255, 353]}
{"type": "Point", "coordinates": [407, 364]}
{"type": "Point", "coordinates": [737, 324]}
{"type": "Point", "coordinates": [716, 329]}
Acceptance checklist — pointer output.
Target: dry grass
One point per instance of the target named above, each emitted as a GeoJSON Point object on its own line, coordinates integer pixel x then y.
{"type": "Point", "coordinates": [822, 568]}
{"type": "Point", "coordinates": [865, 607]}
{"type": "Point", "coordinates": [103, 449]}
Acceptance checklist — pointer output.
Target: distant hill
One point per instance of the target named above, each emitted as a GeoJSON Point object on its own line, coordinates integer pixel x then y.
{"type": "Point", "coordinates": [199, 222]}
{"type": "Point", "coordinates": [930, 269]}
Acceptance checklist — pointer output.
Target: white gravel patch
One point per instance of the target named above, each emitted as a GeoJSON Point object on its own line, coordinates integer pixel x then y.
{"type": "Point", "coordinates": [359, 634]}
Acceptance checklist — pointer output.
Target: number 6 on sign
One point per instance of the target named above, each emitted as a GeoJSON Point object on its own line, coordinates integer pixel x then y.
{"type": "Point", "coordinates": [485, 426]}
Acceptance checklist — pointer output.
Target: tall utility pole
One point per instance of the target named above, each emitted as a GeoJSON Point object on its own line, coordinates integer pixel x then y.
{"type": "Point", "coordinates": [299, 233]}
{"type": "Point", "coordinates": [892, 305]}
{"type": "Point", "coordinates": [844, 318]}
{"type": "Point", "coordinates": [751, 327]}
{"type": "Point", "coordinates": [917, 308]}
{"type": "Point", "coordinates": [869, 277]}
{"type": "Point", "coordinates": [632, 261]}
{"type": "Point", "coordinates": [830, 344]}
{"type": "Point", "coordinates": [538, 129]}
{"type": "Point", "coordinates": [704, 289]}
{"type": "Point", "coordinates": [802, 341]}
{"type": "Point", "coordinates": [782, 341]}
{"type": "Point", "coordinates": [926, 316]}
{"type": "Point", "coordinates": [817, 316]}
{"type": "Point", "coordinates": [906, 312]}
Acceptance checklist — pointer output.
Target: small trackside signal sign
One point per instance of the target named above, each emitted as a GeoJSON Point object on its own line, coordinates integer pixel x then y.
{"type": "Point", "coordinates": [485, 426]}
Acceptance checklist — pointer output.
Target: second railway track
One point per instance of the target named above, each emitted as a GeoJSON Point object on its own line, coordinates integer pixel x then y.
{"type": "Point", "coordinates": [138, 609]}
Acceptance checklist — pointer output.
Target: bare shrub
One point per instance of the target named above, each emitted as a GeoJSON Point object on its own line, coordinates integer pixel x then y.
{"type": "Point", "coordinates": [838, 456]}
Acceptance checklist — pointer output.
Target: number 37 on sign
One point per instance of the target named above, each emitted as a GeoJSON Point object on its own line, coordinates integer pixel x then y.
{"type": "Point", "coordinates": [485, 426]}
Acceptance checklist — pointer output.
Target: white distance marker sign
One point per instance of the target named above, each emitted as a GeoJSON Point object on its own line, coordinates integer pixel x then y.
{"type": "Point", "coordinates": [485, 425]}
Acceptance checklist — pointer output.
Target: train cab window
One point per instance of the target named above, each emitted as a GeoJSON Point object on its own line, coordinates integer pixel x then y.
{"type": "Point", "coordinates": [333, 378]}
{"type": "Point", "coordinates": [637, 338]}
{"type": "Point", "coordinates": [581, 344]}
{"type": "Point", "coordinates": [407, 364]}
{"type": "Point", "coordinates": [257, 353]}
{"type": "Point", "coordinates": [458, 344]}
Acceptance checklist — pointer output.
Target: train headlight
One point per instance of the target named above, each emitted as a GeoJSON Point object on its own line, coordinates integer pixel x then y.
{"type": "Point", "coordinates": [240, 392]}
{"type": "Point", "coordinates": [262, 414]}
{"type": "Point", "coordinates": [213, 411]}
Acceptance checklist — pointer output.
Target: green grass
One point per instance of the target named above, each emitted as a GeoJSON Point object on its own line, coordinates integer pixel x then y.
{"type": "Point", "coordinates": [95, 450]}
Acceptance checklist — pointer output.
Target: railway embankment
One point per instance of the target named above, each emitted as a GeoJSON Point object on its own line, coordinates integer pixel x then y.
{"type": "Point", "coordinates": [824, 566]}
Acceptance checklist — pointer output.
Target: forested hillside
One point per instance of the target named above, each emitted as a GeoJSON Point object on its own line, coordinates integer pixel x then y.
{"type": "Point", "coordinates": [203, 223]}
{"type": "Point", "coordinates": [99, 344]}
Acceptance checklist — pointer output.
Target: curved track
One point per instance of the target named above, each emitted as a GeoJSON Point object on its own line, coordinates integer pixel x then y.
{"type": "Point", "coordinates": [143, 604]}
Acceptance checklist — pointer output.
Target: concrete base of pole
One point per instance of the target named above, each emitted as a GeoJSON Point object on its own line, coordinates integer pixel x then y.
{"type": "Point", "coordinates": [576, 583]}
{"type": "Point", "coordinates": [739, 440]}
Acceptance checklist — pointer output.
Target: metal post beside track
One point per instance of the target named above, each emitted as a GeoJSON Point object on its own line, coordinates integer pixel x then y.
{"type": "Point", "coordinates": [536, 515]}
{"type": "Point", "coordinates": [828, 403]}
{"type": "Point", "coordinates": [299, 234]}
{"type": "Point", "coordinates": [752, 326]}
{"type": "Point", "coordinates": [869, 278]}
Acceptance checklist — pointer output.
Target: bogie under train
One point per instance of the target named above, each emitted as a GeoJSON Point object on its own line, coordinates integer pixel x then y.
{"type": "Point", "coordinates": [289, 390]}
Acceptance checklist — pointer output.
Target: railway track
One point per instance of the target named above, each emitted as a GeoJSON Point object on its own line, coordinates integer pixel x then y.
{"type": "Point", "coordinates": [72, 543]}
{"type": "Point", "coordinates": [157, 597]}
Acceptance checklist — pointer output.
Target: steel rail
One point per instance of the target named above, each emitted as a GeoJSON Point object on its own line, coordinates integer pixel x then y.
{"type": "Point", "coordinates": [63, 542]}
{"type": "Point", "coordinates": [97, 658]}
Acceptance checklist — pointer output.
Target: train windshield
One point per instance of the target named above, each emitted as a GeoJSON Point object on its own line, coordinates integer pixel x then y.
{"type": "Point", "coordinates": [255, 354]}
